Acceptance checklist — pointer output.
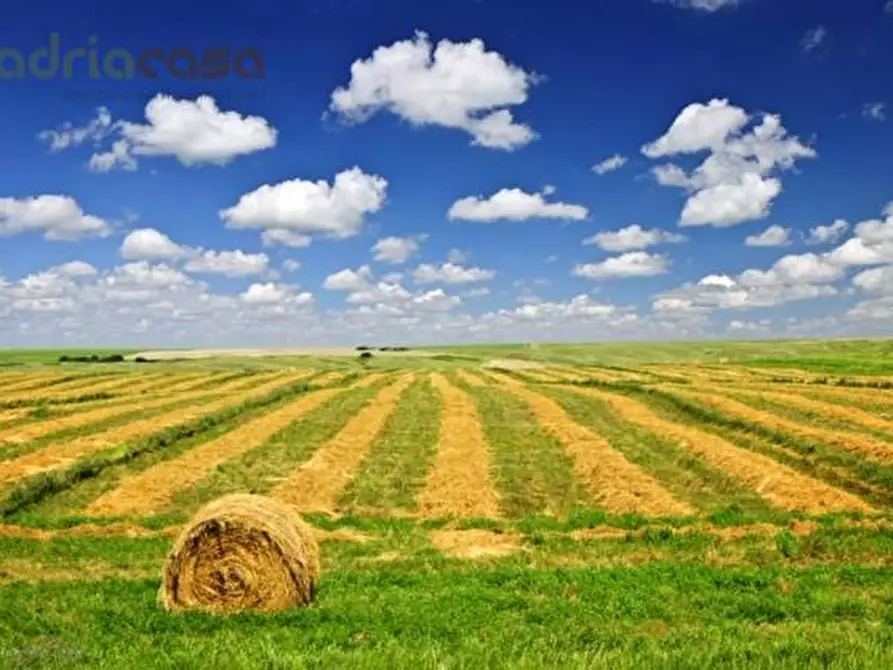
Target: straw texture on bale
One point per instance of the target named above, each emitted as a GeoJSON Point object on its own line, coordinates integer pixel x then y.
{"type": "Point", "coordinates": [242, 552]}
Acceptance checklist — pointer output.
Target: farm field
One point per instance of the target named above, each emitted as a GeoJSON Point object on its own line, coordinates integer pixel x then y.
{"type": "Point", "coordinates": [683, 509]}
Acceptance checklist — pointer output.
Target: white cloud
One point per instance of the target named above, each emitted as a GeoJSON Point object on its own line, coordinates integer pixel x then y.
{"type": "Point", "coordinates": [349, 280]}
{"type": "Point", "coordinates": [77, 269]}
{"type": "Point", "coordinates": [480, 292]}
{"type": "Point", "coordinates": [876, 280]}
{"type": "Point", "coordinates": [286, 238]}
{"type": "Point", "coordinates": [397, 250]}
{"type": "Point", "coordinates": [814, 38]}
{"type": "Point", "coordinates": [792, 278]}
{"type": "Point", "coordinates": [632, 238]}
{"type": "Point", "coordinates": [56, 217]}
{"type": "Point", "coordinates": [611, 164]}
{"type": "Point", "coordinates": [703, 5]}
{"type": "Point", "coordinates": [291, 265]}
{"type": "Point", "coordinates": [828, 234]}
{"type": "Point", "coordinates": [196, 132]}
{"type": "Point", "coordinates": [230, 263]}
{"type": "Point", "coordinates": [303, 207]}
{"type": "Point", "coordinates": [457, 256]}
{"type": "Point", "coordinates": [773, 236]}
{"type": "Point", "coordinates": [513, 204]}
{"type": "Point", "coordinates": [152, 245]}
{"type": "Point", "coordinates": [275, 294]}
{"type": "Point", "coordinates": [457, 85]}
{"type": "Point", "coordinates": [734, 183]}
{"type": "Point", "coordinates": [70, 135]}
{"type": "Point", "coordinates": [633, 264]}
{"type": "Point", "coordinates": [450, 273]}
{"type": "Point", "coordinates": [876, 111]}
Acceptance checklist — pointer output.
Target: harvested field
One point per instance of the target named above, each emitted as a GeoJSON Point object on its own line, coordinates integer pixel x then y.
{"type": "Point", "coordinates": [460, 482]}
{"type": "Point", "coordinates": [67, 452]}
{"type": "Point", "coordinates": [780, 485]}
{"type": "Point", "coordinates": [857, 443]}
{"type": "Point", "coordinates": [315, 486]}
{"type": "Point", "coordinates": [615, 483]}
{"type": "Point", "coordinates": [640, 500]}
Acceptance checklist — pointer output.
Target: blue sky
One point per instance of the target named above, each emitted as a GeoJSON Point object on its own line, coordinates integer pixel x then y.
{"type": "Point", "coordinates": [446, 172]}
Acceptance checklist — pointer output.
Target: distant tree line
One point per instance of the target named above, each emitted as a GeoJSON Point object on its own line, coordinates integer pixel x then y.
{"type": "Point", "coordinates": [365, 348]}
{"type": "Point", "coordinates": [92, 358]}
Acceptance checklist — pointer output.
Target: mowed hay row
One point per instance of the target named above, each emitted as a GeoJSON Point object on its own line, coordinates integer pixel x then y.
{"type": "Point", "coordinates": [30, 381]}
{"type": "Point", "coordinates": [618, 485]}
{"type": "Point", "coordinates": [460, 482]}
{"type": "Point", "coordinates": [131, 382]}
{"type": "Point", "coordinates": [863, 445]}
{"type": "Point", "coordinates": [852, 415]}
{"type": "Point", "coordinates": [153, 489]}
{"type": "Point", "coordinates": [7, 415]}
{"type": "Point", "coordinates": [316, 485]}
{"type": "Point", "coordinates": [472, 380]}
{"type": "Point", "coordinates": [116, 408]}
{"type": "Point", "coordinates": [782, 486]}
{"type": "Point", "coordinates": [65, 453]}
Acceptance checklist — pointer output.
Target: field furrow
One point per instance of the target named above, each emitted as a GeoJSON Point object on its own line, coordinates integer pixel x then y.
{"type": "Point", "coordinates": [782, 486]}
{"type": "Point", "coordinates": [616, 484]}
{"type": "Point", "coordinates": [316, 485]}
{"type": "Point", "coordinates": [29, 382]}
{"type": "Point", "coordinates": [65, 453]}
{"type": "Point", "coordinates": [852, 442]}
{"type": "Point", "coordinates": [460, 482]}
{"type": "Point", "coordinates": [144, 493]}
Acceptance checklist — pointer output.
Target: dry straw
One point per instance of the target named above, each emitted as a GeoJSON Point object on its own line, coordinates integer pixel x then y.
{"type": "Point", "coordinates": [242, 552]}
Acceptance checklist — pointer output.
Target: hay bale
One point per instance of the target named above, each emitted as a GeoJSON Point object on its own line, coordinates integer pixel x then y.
{"type": "Point", "coordinates": [242, 552]}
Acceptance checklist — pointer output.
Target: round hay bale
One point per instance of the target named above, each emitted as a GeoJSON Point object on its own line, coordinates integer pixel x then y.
{"type": "Point", "coordinates": [242, 552]}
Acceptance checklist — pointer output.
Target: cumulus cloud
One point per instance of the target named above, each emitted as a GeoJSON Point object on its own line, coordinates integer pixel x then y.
{"type": "Point", "coordinates": [275, 294]}
{"type": "Point", "coordinates": [387, 296]}
{"type": "Point", "coordinates": [450, 273]}
{"type": "Point", "coordinates": [230, 263]}
{"type": "Point", "coordinates": [69, 135]}
{"type": "Point", "coordinates": [611, 164]}
{"type": "Point", "coordinates": [876, 111]}
{"type": "Point", "coordinates": [286, 238]}
{"type": "Point", "coordinates": [814, 39]}
{"type": "Point", "coordinates": [791, 278]}
{"type": "Point", "coordinates": [456, 85]}
{"type": "Point", "coordinates": [632, 238]}
{"type": "Point", "coordinates": [336, 210]}
{"type": "Point", "coordinates": [703, 5]}
{"type": "Point", "coordinates": [397, 250]}
{"type": "Point", "coordinates": [513, 204]}
{"type": "Point", "coordinates": [828, 234]}
{"type": "Point", "coordinates": [196, 132]}
{"type": "Point", "coordinates": [56, 217]}
{"type": "Point", "coordinates": [633, 264]}
{"type": "Point", "coordinates": [152, 245]}
{"type": "Point", "coordinates": [773, 236]}
{"type": "Point", "coordinates": [735, 183]}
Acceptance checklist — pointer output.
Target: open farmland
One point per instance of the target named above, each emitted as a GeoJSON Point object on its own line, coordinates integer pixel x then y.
{"type": "Point", "coordinates": [562, 513]}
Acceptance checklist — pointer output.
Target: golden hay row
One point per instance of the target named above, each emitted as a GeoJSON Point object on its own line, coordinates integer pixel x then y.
{"type": "Point", "coordinates": [859, 444]}
{"type": "Point", "coordinates": [615, 483]}
{"type": "Point", "coordinates": [65, 391]}
{"type": "Point", "coordinates": [152, 489]}
{"type": "Point", "coordinates": [459, 483]}
{"type": "Point", "coordinates": [7, 415]}
{"type": "Point", "coordinates": [845, 413]}
{"type": "Point", "coordinates": [28, 381]}
{"type": "Point", "coordinates": [108, 409]}
{"type": "Point", "coordinates": [779, 484]}
{"type": "Point", "coordinates": [316, 484]}
{"type": "Point", "coordinates": [65, 453]}
{"type": "Point", "coordinates": [470, 379]}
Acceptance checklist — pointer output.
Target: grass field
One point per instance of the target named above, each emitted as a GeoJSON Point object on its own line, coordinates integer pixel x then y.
{"type": "Point", "coordinates": [656, 506]}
